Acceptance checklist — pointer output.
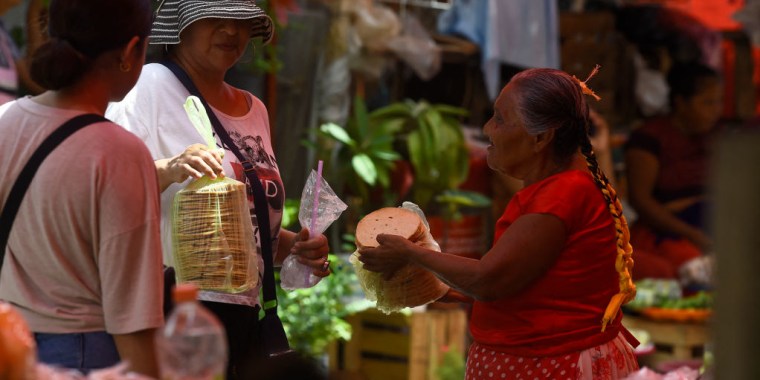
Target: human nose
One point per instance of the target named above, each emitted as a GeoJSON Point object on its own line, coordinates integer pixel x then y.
{"type": "Point", "coordinates": [229, 26]}
{"type": "Point", "coordinates": [487, 126]}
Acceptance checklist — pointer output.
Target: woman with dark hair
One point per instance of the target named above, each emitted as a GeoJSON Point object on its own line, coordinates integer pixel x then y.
{"type": "Point", "coordinates": [667, 163]}
{"type": "Point", "coordinates": [82, 261]}
{"type": "Point", "coordinates": [83, 258]}
{"type": "Point", "coordinates": [547, 294]}
{"type": "Point", "coordinates": [202, 40]}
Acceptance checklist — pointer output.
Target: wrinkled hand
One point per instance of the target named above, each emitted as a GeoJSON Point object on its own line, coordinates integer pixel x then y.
{"type": "Point", "coordinates": [196, 161]}
{"type": "Point", "coordinates": [392, 254]}
{"type": "Point", "coordinates": [312, 252]}
{"type": "Point", "coordinates": [455, 296]}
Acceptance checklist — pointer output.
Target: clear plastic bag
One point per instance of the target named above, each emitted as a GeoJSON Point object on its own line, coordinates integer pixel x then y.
{"type": "Point", "coordinates": [320, 207]}
{"type": "Point", "coordinates": [417, 49]}
{"type": "Point", "coordinates": [18, 354]}
{"type": "Point", "coordinates": [212, 236]}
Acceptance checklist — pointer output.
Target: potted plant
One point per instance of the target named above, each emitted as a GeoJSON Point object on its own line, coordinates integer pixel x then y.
{"type": "Point", "coordinates": [404, 151]}
{"type": "Point", "coordinates": [432, 140]}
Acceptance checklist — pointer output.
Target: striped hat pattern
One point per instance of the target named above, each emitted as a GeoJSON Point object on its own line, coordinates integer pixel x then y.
{"type": "Point", "coordinates": [173, 16]}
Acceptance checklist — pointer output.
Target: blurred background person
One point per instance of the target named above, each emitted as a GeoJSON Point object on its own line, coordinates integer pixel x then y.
{"type": "Point", "coordinates": [666, 163]}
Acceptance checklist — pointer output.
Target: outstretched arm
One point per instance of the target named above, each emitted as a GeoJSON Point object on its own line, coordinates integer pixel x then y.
{"type": "Point", "coordinates": [523, 253]}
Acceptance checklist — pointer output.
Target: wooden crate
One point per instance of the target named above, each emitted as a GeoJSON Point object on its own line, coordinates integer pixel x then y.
{"type": "Point", "coordinates": [672, 340]}
{"type": "Point", "coordinates": [399, 346]}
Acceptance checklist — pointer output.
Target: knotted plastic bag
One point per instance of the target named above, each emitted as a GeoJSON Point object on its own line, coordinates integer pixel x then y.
{"type": "Point", "coordinates": [320, 207]}
{"type": "Point", "coordinates": [410, 286]}
{"type": "Point", "coordinates": [212, 234]}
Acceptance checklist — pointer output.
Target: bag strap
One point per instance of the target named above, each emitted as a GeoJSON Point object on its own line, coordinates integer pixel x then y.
{"type": "Point", "coordinates": [18, 191]}
{"type": "Point", "coordinates": [269, 303]}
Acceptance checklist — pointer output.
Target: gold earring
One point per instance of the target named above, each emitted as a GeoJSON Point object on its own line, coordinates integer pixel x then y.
{"type": "Point", "coordinates": [125, 67]}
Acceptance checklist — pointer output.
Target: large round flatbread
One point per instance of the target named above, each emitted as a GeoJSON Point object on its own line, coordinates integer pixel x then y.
{"type": "Point", "coordinates": [411, 286]}
{"type": "Point", "coordinates": [388, 220]}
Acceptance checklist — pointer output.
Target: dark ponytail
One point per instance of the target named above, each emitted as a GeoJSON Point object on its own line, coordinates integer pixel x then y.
{"type": "Point", "coordinates": [80, 31]}
{"type": "Point", "coordinates": [56, 64]}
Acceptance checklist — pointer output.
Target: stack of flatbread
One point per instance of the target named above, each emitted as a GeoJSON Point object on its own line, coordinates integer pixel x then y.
{"type": "Point", "coordinates": [411, 286]}
{"type": "Point", "coordinates": [213, 237]}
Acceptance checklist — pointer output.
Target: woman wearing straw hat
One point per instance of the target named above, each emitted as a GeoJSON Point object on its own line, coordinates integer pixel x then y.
{"type": "Point", "coordinates": [205, 39]}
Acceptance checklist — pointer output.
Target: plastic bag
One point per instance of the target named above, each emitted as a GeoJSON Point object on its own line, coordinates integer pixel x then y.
{"type": "Point", "coordinates": [375, 24]}
{"type": "Point", "coordinates": [212, 235]}
{"type": "Point", "coordinates": [17, 347]}
{"type": "Point", "coordinates": [117, 372]}
{"type": "Point", "coordinates": [651, 89]}
{"type": "Point", "coordinates": [697, 272]}
{"type": "Point", "coordinates": [417, 49]}
{"type": "Point", "coordinates": [682, 373]}
{"type": "Point", "coordinates": [320, 207]}
{"type": "Point", "coordinates": [411, 286]}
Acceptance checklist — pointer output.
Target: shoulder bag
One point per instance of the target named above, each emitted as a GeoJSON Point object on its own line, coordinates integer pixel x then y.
{"type": "Point", "coordinates": [18, 191]}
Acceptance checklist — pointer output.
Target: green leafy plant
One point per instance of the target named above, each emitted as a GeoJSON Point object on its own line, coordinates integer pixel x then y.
{"type": "Point", "coordinates": [314, 317]}
{"type": "Point", "coordinates": [431, 138]}
{"type": "Point", "coordinates": [365, 154]}
{"type": "Point", "coordinates": [434, 144]}
{"type": "Point", "coordinates": [452, 365]}
{"type": "Point", "coordinates": [452, 201]}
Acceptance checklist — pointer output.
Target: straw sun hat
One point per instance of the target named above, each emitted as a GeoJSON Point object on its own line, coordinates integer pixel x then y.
{"type": "Point", "coordinates": [173, 16]}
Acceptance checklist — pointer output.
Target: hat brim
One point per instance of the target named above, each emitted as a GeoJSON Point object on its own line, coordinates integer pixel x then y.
{"type": "Point", "coordinates": [174, 16]}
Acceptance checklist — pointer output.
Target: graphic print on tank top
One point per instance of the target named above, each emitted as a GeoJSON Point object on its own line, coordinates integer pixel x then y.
{"type": "Point", "coordinates": [254, 151]}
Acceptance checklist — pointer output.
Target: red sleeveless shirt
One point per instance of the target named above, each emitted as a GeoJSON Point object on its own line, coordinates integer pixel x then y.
{"type": "Point", "coordinates": [561, 311]}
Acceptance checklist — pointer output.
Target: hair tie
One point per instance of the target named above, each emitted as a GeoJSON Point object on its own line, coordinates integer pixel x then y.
{"type": "Point", "coordinates": [584, 88]}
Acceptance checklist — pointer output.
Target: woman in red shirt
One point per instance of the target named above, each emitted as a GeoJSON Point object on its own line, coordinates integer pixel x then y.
{"type": "Point", "coordinates": [667, 162]}
{"type": "Point", "coordinates": [547, 294]}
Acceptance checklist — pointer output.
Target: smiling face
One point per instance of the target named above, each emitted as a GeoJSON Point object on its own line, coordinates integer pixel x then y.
{"type": "Point", "coordinates": [215, 44]}
{"type": "Point", "coordinates": [511, 150]}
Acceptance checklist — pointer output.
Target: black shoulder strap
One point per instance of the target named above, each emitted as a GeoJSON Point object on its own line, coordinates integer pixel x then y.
{"type": "Point", "coordinates": [16, 195]}
{"type": "Point", "coordinates": [269, 303]}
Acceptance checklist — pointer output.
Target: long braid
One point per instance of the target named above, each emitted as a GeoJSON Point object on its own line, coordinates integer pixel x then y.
{"type": "Point", "coordinates": [624, 261]}
{"type": "Point", "coordinates": [554, 100]}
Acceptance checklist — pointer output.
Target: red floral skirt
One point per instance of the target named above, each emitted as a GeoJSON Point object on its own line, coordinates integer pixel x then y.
{"type": "Point", "coordinates": [612, 360]}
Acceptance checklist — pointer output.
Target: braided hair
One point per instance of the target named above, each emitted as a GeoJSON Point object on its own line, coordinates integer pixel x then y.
{"type": "Point", "coordinates": [554, 100]}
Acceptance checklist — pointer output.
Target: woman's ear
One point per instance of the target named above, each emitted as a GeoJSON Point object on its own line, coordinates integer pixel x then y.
{"type": "Point", "coordinates": [542, 140]}
{"type": "Point", "coordinates": [133, 49]}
